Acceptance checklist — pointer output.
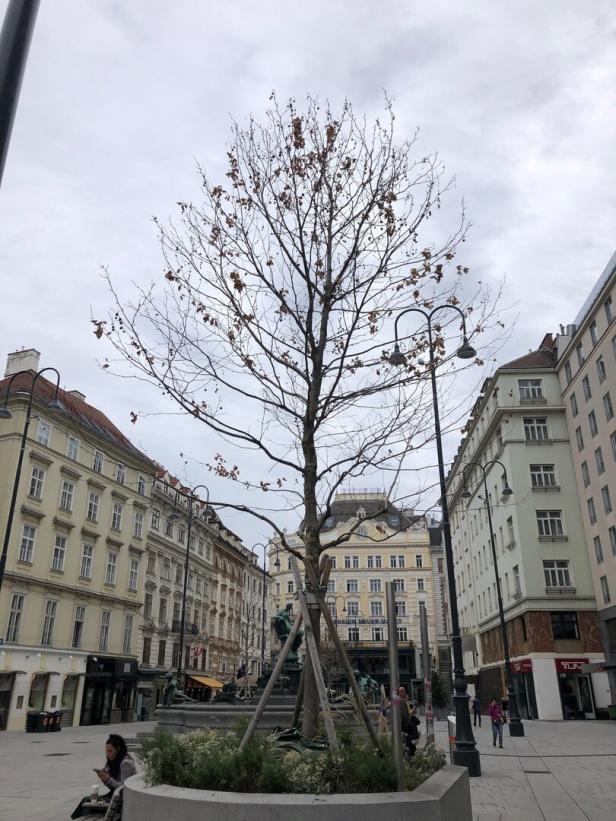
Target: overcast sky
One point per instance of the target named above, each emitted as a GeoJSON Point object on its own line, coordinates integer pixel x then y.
{"type": "Point", "coordinates": [120, 98]}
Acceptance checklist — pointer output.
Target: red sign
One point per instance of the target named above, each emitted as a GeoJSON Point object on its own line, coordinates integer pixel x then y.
{"type": "Point", "coordinates": [524, 666]}
{"type": "Point", "coordinates": [569, 665]}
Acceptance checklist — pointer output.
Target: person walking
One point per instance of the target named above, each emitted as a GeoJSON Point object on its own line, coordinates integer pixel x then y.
{"type": "Point", "coordinates": [496, 718]}
{"type": "Point", "coordinates": [119, 766]}
{"type": "Point", "coordinates": [476, 706]}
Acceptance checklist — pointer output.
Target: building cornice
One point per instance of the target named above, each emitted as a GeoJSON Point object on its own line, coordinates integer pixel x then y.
{"type": "Point", "coordinates": [51, 585]}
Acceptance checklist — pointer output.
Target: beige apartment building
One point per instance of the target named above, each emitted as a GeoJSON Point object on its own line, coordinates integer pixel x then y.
{"type": "Point", "coordinates": [541, 555]}
{"type": "Point", "coordinates": [74, 583]}
{"type": "Point", "coordinates": [391, 546]}
{"type": "Point", "coordinates": [586, 367]}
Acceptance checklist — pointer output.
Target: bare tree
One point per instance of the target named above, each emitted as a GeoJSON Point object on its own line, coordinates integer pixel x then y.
{"type": "Point", "coordinates": [278, 301]}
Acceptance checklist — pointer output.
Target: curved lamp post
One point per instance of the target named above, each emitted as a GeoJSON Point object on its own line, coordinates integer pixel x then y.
{"type": "Point", "coordinates": [191, 497]}
{"type": "Point", "coordinates": [465, 752]}
{"type": "Point", "coordinates": [5, 413]}
{"type": "Point", "coordinates": [516, 728]}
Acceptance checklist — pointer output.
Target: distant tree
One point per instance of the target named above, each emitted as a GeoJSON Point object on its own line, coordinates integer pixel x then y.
{"type": "Point", "coordinates": [275, 319]}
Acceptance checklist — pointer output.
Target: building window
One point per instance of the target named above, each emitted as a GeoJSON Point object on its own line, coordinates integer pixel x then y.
{"type": "Point", "coordinates": [36, 482]}
{"type": "Point", "coordinates": [517, 589]}
{"type": "Point", "coordinates": [147, 650]}
{"type": "Point", "coordinates": [116, 516]}
{"type": "Point", "coordinates": [601, 372]}
{"type": "Point", "coordinates": [43, 432]}
{"type": "Point", "coordinates": [599, 461]}
{"type": "Point", "coordinates": [607, 405]}
{"type": "Point", "coordinates": [15, 614]}
{"type": "Point", "coordinates": [181, 534]}
{"type": "Point", "coordinates": [592, 423]}
{"type": "Point", "coordinates": [377, 634]}
{"type": "Point", "coordinates": [592, 513]}
{"type": "Point", "coordinates": [399, 585]}
{"type": "Point", "coordinates": [605, 590]}
{"type": "Point", "coordinates": [579, 438]}
{"type": "Point", "coordinates": [609, 311]}
{"type": "Point", "coordinates": [418, 560]}
{"type": "Point", "coordinates": [162, 651]}
{"type": "Point", "coordinates": [59, 552]}
{"type": "Point", "coordinates": [375, 562]}
{"type": "Point", "coordinates": [550, 522]}
{"type": "Point", "coordinates": [85, 571]}
{"type": "Point", "coordinates": [530, 389]}
{"type": "Point", "coordinates": [586, 388]}
{"type": "Point", "coordinates": [138, 524]}
{"type": "Point", "coordinates": [147, 606]}
{"type": "Point", "coordinates": [128, 634]}
{"type": "Point", "coordinates": [354, 634]}
{"type": "Point", "coordinates": [162, 611]}
{"type": "Point", "coordinates": [97, 462]}
{"type": "Point", "coordinates": [165, 570]}
{"type": "Point", "coordinates": [72, 450]}
{"type": "Point", "coordinates": [347, 562]}
{"type": "Point", "coordinates": [141, 486]}
{"type": "Point", "coordinates": [121, 474]}
{"type": "Point", "coordinates": [402, 633]}
{"type": "Point", "coordinates": [66, 496]}
{"type": "Point", "coordinates": [375, 585]}
{"type": "Point", "coordinates": [393, 561]}
{"type": "Point", "coordinates": [607, 502]}
{"type": "Point", "coordinates": [49, 621]}
{"type": "Point", "coordinates": [155, 519]}
{"type": "Point", "coordinates": [401, 608]}
{"type": "Point", "coordinates": [585, 474]}
{"type": "Point", "coordinates": [542, 475]}
{"type": "Point", "coordinates": [564, 626]}
{"type": "Point", "coordinates": [612, 534]}
{"type": "Point", "coordinates": [352, 608]}
{"type": "Point", "coordinates": [133, 574]}
{"type": "Point", "coordinates": [93, 503]}
{"type": "Point", "coordinates": [80, 617]}
{"type": "Point", "coordinates": [568, 375]}
{"type": "Point", "coordinates": [593, 332]}
{"type": "Point", "coordinates": [169, 528]}
{"type": "Point", "coordinates": [151, 563]}
{"type": "Point", "coordinates": [535, 428]}
{"type": "Point", "coordinates": [574, 405]}
{"type": "Point", "coordinates": [111, 567]}
{"type": "Point", "coordinates": [580, 354]}
{"type": "Point", "coordinates": [26, 549]}
{"type": "Point", "coordinates": [556, 573]}
{"type": "Point", "coordinates": [420, 586]}
{"type": "Point", "coordinates": [352, 586]}
{"type": "Point", "coordinates": [598, 549]}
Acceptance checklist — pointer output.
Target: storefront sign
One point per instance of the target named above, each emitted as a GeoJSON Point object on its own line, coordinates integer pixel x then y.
{"type": "Point", "coordinates": [569, 665]}
{"type": "Point", "coordinates": [523, 666]}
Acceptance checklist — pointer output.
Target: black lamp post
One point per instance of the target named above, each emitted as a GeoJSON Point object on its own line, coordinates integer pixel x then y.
{"type": "Point", "coordinates": [191, 497]}
{"type": "Point", "coordinates": [260, 544]}
{"type": "Point", "coordinates": [5, 413]}
{"type": "Point", "coordinates": [516, 728]}
{"type": "Point", "coordinates": [465, 752]}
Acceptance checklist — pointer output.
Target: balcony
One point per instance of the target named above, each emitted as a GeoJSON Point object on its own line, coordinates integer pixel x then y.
{"type": "Point", "coordinates": [510, 545]}
{"type": "Point", "coordinates": [517, 594]}
{"type": "Point", "coordinates": [560, 590]}
{"type": "Point", "coordinates": [190, 628]}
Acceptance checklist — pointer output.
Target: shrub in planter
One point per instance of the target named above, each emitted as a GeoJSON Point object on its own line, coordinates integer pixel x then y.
{"type": "Point", "coordinates": [210, 760]}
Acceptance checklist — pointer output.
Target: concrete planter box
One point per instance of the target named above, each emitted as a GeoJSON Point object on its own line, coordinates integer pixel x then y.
{"type": "Point", "coordinates": [445, 796]}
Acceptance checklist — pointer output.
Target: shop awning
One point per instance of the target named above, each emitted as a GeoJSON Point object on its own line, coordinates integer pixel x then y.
{"type": "Point", "coordinates": [209, 682]}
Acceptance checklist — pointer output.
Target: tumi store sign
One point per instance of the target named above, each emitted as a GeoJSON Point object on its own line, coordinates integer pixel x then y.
{"type": "Point", "coordinates": [569, 665]}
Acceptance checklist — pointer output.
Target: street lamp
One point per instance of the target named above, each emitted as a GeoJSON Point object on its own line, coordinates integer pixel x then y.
{"type": "Point", "coordinates": [191, 497]}
{"type": "Point", "coordinates": [55, 405]}
{"type": "Point", "coordinates": [465, 752]}
{"type": "Point", "coordinates": [516, 728]}
{"type": "Point", "coordinates": [260, 544]}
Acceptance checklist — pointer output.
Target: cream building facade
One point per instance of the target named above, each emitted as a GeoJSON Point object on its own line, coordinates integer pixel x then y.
{"type": "Point", "coordinates": [548, 595]}
{"type": "Point", "coordinates": [390, 546]}
{"type": "Point", "coordinates": [586, 367]}
{"type": "Point", "coordinates": [74, 582]}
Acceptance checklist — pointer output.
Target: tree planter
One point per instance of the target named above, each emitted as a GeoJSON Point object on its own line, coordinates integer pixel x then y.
{"type": "Point", "coordinates": [445, 796]}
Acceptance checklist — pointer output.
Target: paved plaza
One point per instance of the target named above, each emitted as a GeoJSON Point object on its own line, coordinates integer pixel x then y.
{"type": "Point", "coordinates": [561, 771]}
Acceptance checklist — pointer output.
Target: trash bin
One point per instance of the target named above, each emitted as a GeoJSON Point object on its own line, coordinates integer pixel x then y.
{"type": "Point", "coordinates": [42, 723]}
{"type": "Point", "coordinates": [31, 720]}
{"type": "Point", "coordinates": [54, 717]}
{"type": "Point", "coordinates": [451, 732]}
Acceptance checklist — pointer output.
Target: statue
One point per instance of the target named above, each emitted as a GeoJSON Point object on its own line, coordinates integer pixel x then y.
{"type": "Point", "coordinates": [368, 687]}
{"type": "Point", "coordinates": [172, 694]}
{"type": "Point", "coordinates": [283, 624]}
{"type": "Point", "coordinates": [228, 694]}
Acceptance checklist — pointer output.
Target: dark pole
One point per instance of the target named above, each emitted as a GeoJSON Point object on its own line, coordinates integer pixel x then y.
{"type": "Point", "coordinates": [191, 497]}
{"type": "Point", "coordinates": [260, 544]}
{"type": "Point", "coordinates": [465, 752]}
{"type": "Point", "coordinates": [24, 438]}
{"type": "Point", "coordinates": [15, 40]}
{"type": "Point", "coordinates": [516, 728]}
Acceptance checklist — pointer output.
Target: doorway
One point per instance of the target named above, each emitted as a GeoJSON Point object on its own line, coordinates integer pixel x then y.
{"type": "Point", "coordinates": [576, 696]}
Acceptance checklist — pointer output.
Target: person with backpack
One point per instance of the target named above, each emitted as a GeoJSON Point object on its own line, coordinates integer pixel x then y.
{"type": "Point", "coordinates": [476, 708]}
{"type": "Point", "coordinates": [496, 717]}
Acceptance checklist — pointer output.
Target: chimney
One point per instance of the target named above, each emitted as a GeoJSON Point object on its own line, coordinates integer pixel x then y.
{"type": "Point", "coordinates": [24, 360]}
{"type": "Point", "coordinates": [77, 395]}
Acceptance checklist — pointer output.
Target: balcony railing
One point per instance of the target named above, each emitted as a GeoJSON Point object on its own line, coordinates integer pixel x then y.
{"type": "Point", "coordinates": [189, 627]}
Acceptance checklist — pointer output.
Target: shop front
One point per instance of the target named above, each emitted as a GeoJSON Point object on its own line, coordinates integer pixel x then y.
{"type": "Point", "coordinates": [109, 690]}
{"type": "Point", "coordinates": [524, 688]}
{"type": "Point", "coordinates": [201, 687]}
{"type": "Point", "coordinates": [6, 693]}
{"type": "Point", "coordinates": [575, 689]}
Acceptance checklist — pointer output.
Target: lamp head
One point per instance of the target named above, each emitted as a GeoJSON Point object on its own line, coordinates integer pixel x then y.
{"type": "Point", "coordinates": [56, 405]}
{"type": "Point", "coordinates": [5, 413]}
{"type": "Point", "coordinates": [466, 350]}
{"type": "Point", "coordinates": [466, 494]}
{"type": "Point", "coordinates": [507, 490]}
{"type": "Point", "coordinates": [277, 563]}
{"type": "Point", "coordinates": [397, 358]}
